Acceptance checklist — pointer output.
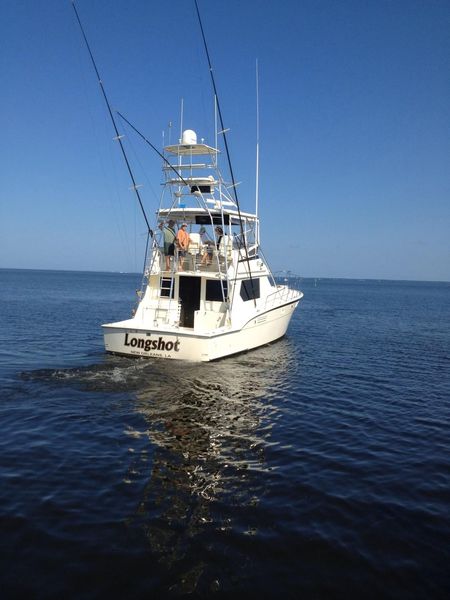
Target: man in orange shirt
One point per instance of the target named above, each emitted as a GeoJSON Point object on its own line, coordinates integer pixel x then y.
{"type": "Point", "coordinates": [182, 241]}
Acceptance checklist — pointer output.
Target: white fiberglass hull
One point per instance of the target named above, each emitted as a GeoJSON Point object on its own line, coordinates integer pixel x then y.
{"type": "Point", "coordinates": [184, 344]}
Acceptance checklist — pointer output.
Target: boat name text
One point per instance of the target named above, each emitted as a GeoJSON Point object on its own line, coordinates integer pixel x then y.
{"type": "Point", "coordinates": [147, 345]}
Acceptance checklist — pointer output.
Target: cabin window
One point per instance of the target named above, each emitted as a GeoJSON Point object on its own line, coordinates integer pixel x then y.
{"type": "Point", "coordinates": [249, 289]}
{"type": "Point", "coordinates": [214, 290]}
{"type": "Point", "coordinates": [216, 219]}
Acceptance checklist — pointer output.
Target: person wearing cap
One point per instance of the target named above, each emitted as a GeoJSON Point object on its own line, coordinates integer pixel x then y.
{"type": "Point", "coordinates": [182, 241]}
{"type": "Point", "coordinates": [169, 242]}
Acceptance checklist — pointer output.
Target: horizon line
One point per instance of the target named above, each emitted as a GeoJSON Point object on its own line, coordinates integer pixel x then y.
{"type": "Point", "coordinates": [293, 276]}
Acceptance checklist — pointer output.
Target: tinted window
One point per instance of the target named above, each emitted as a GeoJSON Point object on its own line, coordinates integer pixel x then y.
{"type": "Point", "coordinates": [214, 290]}
{"type": "Point", "coordinates": [217, 220]}
{"type": "Point", "coordinates": [249, 289]}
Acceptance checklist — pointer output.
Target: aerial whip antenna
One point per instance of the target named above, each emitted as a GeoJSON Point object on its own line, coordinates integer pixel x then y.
{"type": "Point", "coordinates": [118, 136]}
{"type": "Point", "coordinates": [257, 151]}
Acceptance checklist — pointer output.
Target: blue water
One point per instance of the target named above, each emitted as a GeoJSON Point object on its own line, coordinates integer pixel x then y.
{"type": "Point", "coordinates": [317, 467]}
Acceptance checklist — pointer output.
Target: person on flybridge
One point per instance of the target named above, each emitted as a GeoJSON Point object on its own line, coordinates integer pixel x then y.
{"type": "Point", "coordinates": [169, 242]}
{"type": "Point", "coordinates": [182, 242]}
{"type": "Point", "coordinates": [219, 234]}
{"type": "Point", "coordinates": [208, 247]}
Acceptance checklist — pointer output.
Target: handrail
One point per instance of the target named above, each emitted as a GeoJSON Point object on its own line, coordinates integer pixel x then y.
{"type": "Point", "coordinates": [283, 293]}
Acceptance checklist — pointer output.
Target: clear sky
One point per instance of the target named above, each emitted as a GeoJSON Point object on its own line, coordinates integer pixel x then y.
{"type": "Point", "coordinates": [354, 128]}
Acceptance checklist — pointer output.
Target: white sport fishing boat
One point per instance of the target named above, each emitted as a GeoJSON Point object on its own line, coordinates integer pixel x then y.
{"type": "Point", "coordinates": [218, 299]}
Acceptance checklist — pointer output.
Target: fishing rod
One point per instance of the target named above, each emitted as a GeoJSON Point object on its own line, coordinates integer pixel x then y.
{"type": "Point", "coordinates": [118, 136]}
{"type": "Point", "coordinates": [226, 145]}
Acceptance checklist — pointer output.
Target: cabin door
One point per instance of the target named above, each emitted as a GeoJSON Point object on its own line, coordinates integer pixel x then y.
{"type": "Point", "coordinates": [189, 295]}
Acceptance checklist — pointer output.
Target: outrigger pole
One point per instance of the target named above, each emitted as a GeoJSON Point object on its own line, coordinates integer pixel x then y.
{"type": "Point", "coordinates": [177, 173]}
{"type": "Point", "coordinates": [226, 146]}
{"type": "Point", "coordinates": [220, 117]}
{"type": "Point", "coordinates": [118, 136]}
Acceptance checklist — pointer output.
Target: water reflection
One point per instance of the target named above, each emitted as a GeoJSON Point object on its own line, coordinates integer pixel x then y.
{"type": "Point", "coordinates": [196, 456]}
{"type": "Point", "coordinates": [209, 426]}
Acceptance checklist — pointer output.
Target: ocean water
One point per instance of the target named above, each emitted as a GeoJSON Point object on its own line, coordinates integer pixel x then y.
{"type": "Point", "coordinates": [316, 467]}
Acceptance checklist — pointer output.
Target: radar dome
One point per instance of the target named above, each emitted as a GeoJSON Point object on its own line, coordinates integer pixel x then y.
{"type": "Point", "coordinates": [189, 137]}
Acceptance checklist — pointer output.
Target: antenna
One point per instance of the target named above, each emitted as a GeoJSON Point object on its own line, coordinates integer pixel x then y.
{"type": "Point", "coordinates": [181, 131]}
{"type": "Point", "coordinates": [257, 153]}
{"type": "Point", "coordinates": [181, 119]}
{"type": "Point", "coordinates": [215, 126]}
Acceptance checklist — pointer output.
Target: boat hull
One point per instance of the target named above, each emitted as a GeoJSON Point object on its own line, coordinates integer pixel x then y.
{"type": "Point", "coordinates": [186, 345]}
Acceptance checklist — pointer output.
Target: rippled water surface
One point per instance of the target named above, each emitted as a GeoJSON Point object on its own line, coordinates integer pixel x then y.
{"type": "Point", "coordinates": [317, 467]}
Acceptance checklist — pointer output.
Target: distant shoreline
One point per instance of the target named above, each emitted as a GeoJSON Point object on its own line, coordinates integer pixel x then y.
{"type": "Point", "coordinates": [297, 277]}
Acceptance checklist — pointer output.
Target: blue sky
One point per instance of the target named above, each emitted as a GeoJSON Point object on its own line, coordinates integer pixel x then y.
{"type": "Point", "coordinates": [354, 128]}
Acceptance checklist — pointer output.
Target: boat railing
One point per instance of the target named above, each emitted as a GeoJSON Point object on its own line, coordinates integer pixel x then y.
{"type": "Point", "coordinates": [194, 264]}
{"type": "Point", "coordinates": [196, 260]}
{"type": "Point", "coordinates": [281, 295]}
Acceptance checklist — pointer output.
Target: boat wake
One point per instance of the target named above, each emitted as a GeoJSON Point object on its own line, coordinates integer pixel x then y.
{"type": "Point", "coordinates": [242, 376]}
